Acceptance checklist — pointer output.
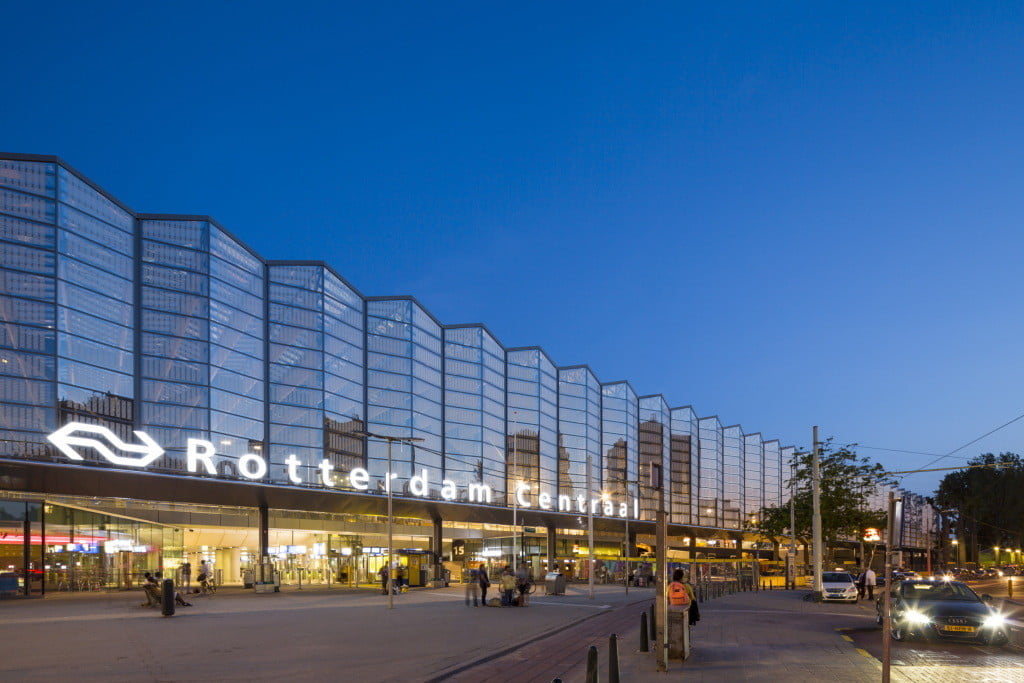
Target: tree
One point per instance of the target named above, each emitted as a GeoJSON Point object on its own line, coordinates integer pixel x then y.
{"type": "Point", "coordinates": [847, 484]}
{"type": "Point", "coordinates": [984, 502]}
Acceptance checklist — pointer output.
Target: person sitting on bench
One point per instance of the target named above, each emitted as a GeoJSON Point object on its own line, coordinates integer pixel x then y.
{"type": "Point", "coordinates": [152, 591]}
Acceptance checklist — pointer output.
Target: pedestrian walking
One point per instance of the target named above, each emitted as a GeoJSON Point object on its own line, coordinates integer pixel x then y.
{"type": "Point", "coordinates": [384, 575]}
{"type": "Point", "coordinates": [861, 585]}
{"type": "Point", "coordinates": [870, 580]}
{"type": "Point", "coordinates": [473, 587]}
{"type": "Point", "coordinates": [523, 584]}
{"type": "Point", "coordinates": [485, 583]}
{"type": "Point", "coordinates": [186, 575]}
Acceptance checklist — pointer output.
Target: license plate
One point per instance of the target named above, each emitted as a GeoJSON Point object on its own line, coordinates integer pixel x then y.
{"type": "Point", "coordinates": [960, 629]}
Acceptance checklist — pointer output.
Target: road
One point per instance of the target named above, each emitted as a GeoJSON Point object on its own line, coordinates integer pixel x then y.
{"type": "Point", "coordinates": [973, 662]}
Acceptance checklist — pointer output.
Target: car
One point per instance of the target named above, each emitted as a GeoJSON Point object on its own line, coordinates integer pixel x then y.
{"type": "Point", "coordinates": [943, 610]}
{"type": "Point", "coordinates": [839, 586]}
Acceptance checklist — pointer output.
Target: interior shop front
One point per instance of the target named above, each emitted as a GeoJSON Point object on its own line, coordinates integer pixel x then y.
{"type": "Point", "coordinates": [64, 543]}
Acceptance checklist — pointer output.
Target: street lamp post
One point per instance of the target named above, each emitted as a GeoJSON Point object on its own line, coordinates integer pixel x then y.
{"type": "Point", "coordinates": [996, 550]}
{"type": "Point", "coordinates": [629, 546]}
{"type": "Point", "coordinates": [590, 531]}
{"type": "Point", "coordinates": [391, 519]}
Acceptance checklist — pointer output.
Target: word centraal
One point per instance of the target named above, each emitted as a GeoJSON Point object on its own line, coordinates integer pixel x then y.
{"type": "Point", "coordinates": [200, 453]}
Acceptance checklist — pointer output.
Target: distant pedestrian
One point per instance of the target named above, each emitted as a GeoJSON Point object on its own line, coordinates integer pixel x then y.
{"type": "Point", "coordinates": [508, 587]}
{"type": "Point", "coordinates": [485, 583]}
{"type": "Point", "coordinates": [523, 584]}
{"type": "Point", "coordinates": [384, 575]}
{"type": "Point", "coordinates": [870, 580]}
{"type": "Point", "coordinates": [186, 575]}
{"type": "Point", "coordinates": [473, 587]}
{"type": "Point", "coordinates": [861, 585]}
{"type": "Point", "coordinates": [694, 609]}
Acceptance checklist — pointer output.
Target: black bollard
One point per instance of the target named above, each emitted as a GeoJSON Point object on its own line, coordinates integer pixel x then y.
{"type": "Point", "coordinates": [613, 659]}
{"type": "Point", "coordinates": [592, 664]}
{"type": "Point", "coordinates": [644, 646]}
{"type": "Point", "coordinates": [167, 598]}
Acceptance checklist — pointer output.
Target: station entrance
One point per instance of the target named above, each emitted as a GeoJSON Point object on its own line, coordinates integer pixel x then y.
{"type": "Point", "coordinates": [67, 543]}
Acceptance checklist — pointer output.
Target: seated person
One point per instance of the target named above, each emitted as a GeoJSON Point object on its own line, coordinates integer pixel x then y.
{"type": "Point", "coordinates": [151, 589]}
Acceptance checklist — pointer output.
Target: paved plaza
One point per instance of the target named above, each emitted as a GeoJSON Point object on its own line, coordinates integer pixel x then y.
{"type": "Point", "coordinates": [431, 635]}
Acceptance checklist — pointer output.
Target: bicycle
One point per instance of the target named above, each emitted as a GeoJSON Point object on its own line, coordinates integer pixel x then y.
{"type": "Point", "coordinates": [207, 586]}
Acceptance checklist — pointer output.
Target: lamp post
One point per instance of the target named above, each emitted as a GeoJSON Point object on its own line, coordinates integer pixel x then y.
{"type": "Point", "coordinates": [590, 531]}
{"type": "Point", "coordinates": [956, 553]}
{"type": "Point", "coordinates": [391, 519]}
{"type": "Point", "coordinates": [628, 544]}
{"type": "Point", "coordinates": [996, 551]}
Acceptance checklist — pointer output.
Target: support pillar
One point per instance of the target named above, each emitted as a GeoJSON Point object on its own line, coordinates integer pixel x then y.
{"type": "Point", "coordinates": [264, 541]}
{"type": "Point", "coordinates": [26, 551]}
{"type": "Point", "coordinates": [551, 543]}
{"type": "Point", "coordinates": [692, 548]}
{"type": "Point", "coordinates": [436, 546]}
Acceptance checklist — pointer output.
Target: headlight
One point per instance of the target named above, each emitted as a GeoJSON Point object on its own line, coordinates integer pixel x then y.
{"type": "Point", "coordinates": [994, 621]}
{"type": "Point", "coordinates": [851, 589]}
{"type": "Point", "coordinates": [916, 617]}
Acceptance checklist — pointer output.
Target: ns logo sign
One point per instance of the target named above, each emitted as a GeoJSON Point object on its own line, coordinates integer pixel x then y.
{"type": "Point", "coordinates": [143, 454]}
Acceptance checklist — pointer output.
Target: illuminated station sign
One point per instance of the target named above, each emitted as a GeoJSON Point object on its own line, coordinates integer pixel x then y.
{"type": "Point", "coordinates": [200, 454]}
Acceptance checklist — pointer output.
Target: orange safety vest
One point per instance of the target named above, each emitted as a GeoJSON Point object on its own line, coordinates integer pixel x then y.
{"type": "Point", "coordinates": [677, 594]}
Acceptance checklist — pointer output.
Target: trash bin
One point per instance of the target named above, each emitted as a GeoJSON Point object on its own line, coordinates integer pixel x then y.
{"type": "Point", "coordinates": [554, 583]}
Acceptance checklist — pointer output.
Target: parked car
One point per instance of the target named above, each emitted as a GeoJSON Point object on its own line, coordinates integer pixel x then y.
{"type": "Point", "coordinates": [840, 586]}
{"type": "Point", "coordinates": [943, 610]}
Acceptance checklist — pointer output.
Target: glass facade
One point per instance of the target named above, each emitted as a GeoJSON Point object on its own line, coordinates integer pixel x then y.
{"type": "Point", "coordinates": [709, 482]}
{"type": "Point", "coordinates": [532, 421]}
{"type": "Point", "coordinates": [315, 360]}
{"type": "Point", "coordinates": [404, 395]}
{"type": "Point", "coordinates": [172, 326]}
{"type": "Point", "coordinates": [579, 430]}
{"type": "Point", "coordinates": [474, 407]}
{"type": "Point", "coordinates": [654, 455]}
{"type": "Point", "coordinates": [773, 493]}
{"type": "Point", "coordinates": [619, 438]}
{"type": "Point", "coordinates": [683, 466]}
{"type": "Point", "coordinates": [753, 478]}
{"type": "Point", "coordinates": [732, 476]}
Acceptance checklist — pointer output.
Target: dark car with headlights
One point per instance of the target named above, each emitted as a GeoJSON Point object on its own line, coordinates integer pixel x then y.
{"type": "Point", "coordinates": [943, 610]}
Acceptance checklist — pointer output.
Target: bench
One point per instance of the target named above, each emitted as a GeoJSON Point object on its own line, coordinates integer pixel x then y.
{"type": "Point", "coordinates": [153, 595]}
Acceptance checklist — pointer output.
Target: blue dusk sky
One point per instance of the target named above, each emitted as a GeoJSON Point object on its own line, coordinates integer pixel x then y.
{"type": "Point", "coordinates": [785, 214]}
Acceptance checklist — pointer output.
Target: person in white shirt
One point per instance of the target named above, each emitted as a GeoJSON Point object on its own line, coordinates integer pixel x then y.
{"type": "Point", "coordinates": [870, 580]}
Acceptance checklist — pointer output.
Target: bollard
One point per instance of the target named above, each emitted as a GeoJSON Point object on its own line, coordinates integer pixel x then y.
{"type": "Point", "coordinates": [644, 646]}
{"type": "Point", "coordinates": [1009, 588]}
{"type": "Point", "coordinates": [613, 659]}
{"type": "Point", "coordinates": [556, 680]}
{"type": "Point", "coordinates": [167, 598]}
{"type": "Point", "coordinates": [592, 665]}
{"type": "Point", "coordinates": [652, 630]}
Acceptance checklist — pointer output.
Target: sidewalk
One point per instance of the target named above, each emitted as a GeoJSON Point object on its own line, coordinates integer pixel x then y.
{"type": "Point", "coordinates": [752, 636]}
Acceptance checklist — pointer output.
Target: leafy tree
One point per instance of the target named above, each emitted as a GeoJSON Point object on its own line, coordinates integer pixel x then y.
{"type": "Point", "coordinates": [848, 482]}
{"type": "Point", "coordinates": [985, 503]}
